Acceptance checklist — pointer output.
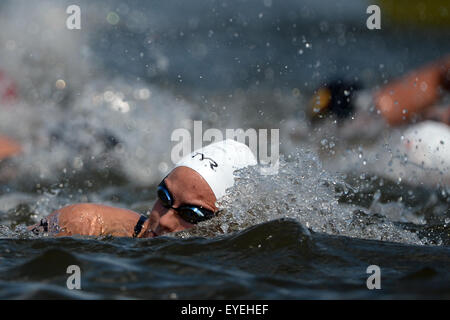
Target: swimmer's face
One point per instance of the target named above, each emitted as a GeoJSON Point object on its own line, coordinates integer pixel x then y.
{"type": "Point", "coordinates": [187, 187]}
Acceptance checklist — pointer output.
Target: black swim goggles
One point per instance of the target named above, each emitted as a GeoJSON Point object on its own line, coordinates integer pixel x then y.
{"type": "Point", "coordinates": [190, 213]}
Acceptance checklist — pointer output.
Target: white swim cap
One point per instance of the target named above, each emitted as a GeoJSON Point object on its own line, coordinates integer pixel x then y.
{"type": "Point", "coordinates": [427, 143]}
{"type": "Point", "coordinates": [217, 162]}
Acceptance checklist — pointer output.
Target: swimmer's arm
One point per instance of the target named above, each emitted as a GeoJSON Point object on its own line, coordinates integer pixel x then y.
{"type": "Point", "coordinates": [410, 95]}
{"type": "Point", "coordinates": [89, 219]}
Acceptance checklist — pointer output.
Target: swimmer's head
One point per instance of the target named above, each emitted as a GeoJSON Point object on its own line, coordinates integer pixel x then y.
{"type": "Point", "coordinates": [189, 193]}
{"type": "Point", "coordinates": [335, 97]}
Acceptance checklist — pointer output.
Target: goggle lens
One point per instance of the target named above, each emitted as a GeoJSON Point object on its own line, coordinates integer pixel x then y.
{"type": "Point", "coordinates": [194, 215]}
{"type": "Point", "coordinates": [191, 214]}
{"type": "Point", "coordinates": [164, 196]}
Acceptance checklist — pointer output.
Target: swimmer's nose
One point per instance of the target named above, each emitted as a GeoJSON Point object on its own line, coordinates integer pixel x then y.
{"type": "Point", "coordinates": [164, 220]}
{"type": "Point", "coordinates": [168, 222]}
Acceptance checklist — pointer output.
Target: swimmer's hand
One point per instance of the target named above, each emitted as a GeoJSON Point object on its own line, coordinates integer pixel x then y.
{"type": "Point", "coordinates": [401, 100]}
{"type": "Point", "coordinates": [87, 219]}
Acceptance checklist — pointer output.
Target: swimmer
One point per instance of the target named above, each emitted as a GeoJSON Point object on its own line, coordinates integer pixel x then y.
{"type": "Point", "coordinates": [401, 101]}
{"type": "Point", "coordinates": [186, 196]}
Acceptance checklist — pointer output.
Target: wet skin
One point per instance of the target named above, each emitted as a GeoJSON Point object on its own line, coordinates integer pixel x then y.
{"type": "Point", "coordinates": [186, 186]}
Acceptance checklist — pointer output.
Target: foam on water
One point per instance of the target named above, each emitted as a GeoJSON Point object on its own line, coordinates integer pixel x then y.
{"type": "Point", "coordinates": [304, 191]}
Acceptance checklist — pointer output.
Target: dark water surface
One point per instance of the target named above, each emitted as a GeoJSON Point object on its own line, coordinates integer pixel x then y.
{"type": "Point", "coordinates": [276, 260]}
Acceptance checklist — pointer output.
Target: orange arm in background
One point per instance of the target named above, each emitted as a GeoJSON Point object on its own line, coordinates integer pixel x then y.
{"type": "Point", "coordinates": [438, 114]}
{"type": "Point", "coordinates": [8, 148]}
{"type": "Point", "coordinates": [410, 95]}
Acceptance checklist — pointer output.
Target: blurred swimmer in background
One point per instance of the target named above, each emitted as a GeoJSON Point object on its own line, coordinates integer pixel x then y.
{"type": "Point", "coordinates": [410, 102]}
{"type": "Point", "coordinates": [406, 100]}
{"type": "Point", "coordinates": [186, 196]}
